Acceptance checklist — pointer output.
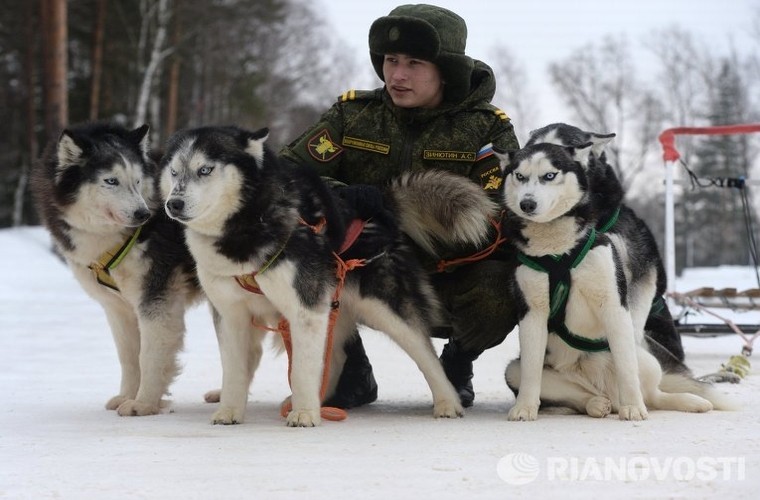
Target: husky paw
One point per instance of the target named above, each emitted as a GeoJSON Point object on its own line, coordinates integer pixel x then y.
{"type": "Point", "coordinates": [525, 413]}
{"type": "Point", "coordinates": [135, 408]}
{"type": "Point", "coordinates": [304, 418]}
{"type": "Point", "coordinates": [115, 402]}
{"type": "Point", "coordinates": [448, 409]}
{"type": "Point", "coordinates": [631, 412]}
{"type": "Point", "coordinates": [213, 396]}
{"type": "Point", "coordinates": [598, 407]}
{"type": "Point", "coordinates": [228, 415]}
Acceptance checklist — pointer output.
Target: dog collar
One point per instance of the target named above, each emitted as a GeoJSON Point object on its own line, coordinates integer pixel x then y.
{"type": "Point", "coordinates": [558, 268]}
{"type": "Point", "coordinates": [355, 228]}
{"type": "Point", "coordinates": [110, 259]}
{"type": "Point", "coordinates": [248, 281]}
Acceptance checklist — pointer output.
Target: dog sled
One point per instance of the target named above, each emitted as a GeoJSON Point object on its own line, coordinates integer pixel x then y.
{"type": "Point", "coordinates": [722, 304]}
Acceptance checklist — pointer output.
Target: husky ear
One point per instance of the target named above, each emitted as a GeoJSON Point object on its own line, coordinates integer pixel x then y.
{"type": "Point", "coordinates": [69, 152]}
{"type": "Point", "coordinates": [504, 156]}
{"type": "Point", "coordinates": [140, 137]}
{"type": "Point", "coordinates": [255, 145]}
{"type": "Point", "coordinates": [581, 153]}
{"type": "Point", "coordinates": [599, 141]}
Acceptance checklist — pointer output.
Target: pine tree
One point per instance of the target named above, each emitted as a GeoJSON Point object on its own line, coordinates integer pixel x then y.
{"type": "Point", "coordinates": [716, 234]}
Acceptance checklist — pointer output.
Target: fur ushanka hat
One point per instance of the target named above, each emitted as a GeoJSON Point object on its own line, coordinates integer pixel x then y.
{"type": "Point", "coordinates": [426, 32]}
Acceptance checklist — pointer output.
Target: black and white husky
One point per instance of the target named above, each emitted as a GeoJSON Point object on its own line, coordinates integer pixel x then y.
{"type": "Point", "coordinates": [581, 307]}
{"type": "Point", "coordinates": [256, 225]}
{"type": "Point", "coordinates": [629, 234]}
{"type": "Point", "coordinates": [96, 192]}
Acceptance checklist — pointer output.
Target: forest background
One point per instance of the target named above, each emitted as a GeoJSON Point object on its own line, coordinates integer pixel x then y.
{"type": "Point", "coordinates": [278, 63]}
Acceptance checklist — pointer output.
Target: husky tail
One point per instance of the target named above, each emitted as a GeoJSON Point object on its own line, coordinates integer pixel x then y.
{"type": "Point", "coordinates": [440, 207]}
{"type": "Point", "coordinates": [679, 382]}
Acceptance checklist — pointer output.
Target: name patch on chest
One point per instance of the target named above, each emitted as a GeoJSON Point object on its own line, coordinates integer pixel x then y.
{"type": "Point", "coordinates": [431, 154]}
{"type": "Point", "coordinates": [365, 145]}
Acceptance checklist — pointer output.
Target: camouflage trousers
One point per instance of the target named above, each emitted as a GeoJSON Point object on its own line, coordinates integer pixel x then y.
{"type": "Point", "coordinates": [478, 308]}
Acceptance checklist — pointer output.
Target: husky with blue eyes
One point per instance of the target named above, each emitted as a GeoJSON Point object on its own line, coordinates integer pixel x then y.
{"type": "Point", "coordinates": [96, 192]}
{"type": "Point", "coordinates": [581, 345]}
{"type": "Point", "coordinates": [271, 241]}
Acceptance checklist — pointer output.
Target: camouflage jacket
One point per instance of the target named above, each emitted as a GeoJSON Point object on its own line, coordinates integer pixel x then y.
{"type": "Point", "coordinates": [364, 139]}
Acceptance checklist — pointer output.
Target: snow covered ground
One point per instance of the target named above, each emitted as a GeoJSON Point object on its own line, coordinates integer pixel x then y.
{"type": "Point", "coordinates": [58, 367]}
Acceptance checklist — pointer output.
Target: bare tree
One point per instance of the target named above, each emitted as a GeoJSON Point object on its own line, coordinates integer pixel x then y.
{"type": "Point", "coordinates": [753, 65]}
{"type": "Point", "coordinates": [98, 33]}
{"type": "Point", "coordinates": [172, 95]}
{"type": "Point", "coordinates": [156, 55]}
{"type": "Point", "coordinates": [31, 118]}
{"type": "Point", "coordinates": [55, 35]}
{"type": "Point", "coordinates": [598, 83]}
{"type": "Point", "coordinates": [687, 72]}
{"type": "Point", "coordinates": [513, 93]}
{"type": "Point", "coordinates": [304, 66]}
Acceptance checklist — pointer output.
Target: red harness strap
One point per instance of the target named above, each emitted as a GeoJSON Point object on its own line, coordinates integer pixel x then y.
{"type": "Point", "coordinates": [327, 412]}
{"type": "Point", "coordinates": [352, 233]}
{"type": "Point", "coordinates": [482, 254]}
{"type": "Point", "coordinates": [248, 282]}
{"type": "Point", "coordinates": [355, 228]}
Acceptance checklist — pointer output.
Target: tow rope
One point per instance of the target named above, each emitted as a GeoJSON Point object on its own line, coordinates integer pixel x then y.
{"type": "Point", "coordinates": [248, 282]}
{"type": "Point", "coordinates": [101, 268]}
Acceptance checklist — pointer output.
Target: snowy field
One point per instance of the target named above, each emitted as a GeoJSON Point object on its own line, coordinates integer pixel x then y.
{"type": "Point", "coordinates": [58, 367]}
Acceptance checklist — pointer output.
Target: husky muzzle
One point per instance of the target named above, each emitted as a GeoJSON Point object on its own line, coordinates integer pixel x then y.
{"type": "Point", "coordinates": [175, 207]}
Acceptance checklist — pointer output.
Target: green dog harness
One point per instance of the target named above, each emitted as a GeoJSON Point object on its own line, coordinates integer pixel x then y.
{"type": "Point", "coordinates": [558, 268]}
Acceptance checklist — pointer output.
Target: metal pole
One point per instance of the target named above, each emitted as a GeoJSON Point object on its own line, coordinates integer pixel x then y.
{"type": "Point", "coordinates": [670, 228]}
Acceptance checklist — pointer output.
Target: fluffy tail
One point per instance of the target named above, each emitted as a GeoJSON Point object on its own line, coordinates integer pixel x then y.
{"type": "Point", "coordinates": [678, 382]}
{"type": "Point", "coordinates": [440, 207]}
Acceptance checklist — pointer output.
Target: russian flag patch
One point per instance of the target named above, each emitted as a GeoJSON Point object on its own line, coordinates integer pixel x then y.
{"type": "Point", "coordinates": [484, 152]}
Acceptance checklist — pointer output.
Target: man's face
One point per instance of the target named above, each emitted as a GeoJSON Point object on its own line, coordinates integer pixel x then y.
{"type": "Point", "coordinates": [411, 82]}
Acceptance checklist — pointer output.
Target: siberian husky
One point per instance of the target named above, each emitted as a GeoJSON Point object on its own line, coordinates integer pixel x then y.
{"type": "Point", "coordinates": [581, 344]}
{"type": "Point", "coordinates": [631, 236]}
{"type": "Point", "coordinates": [256, 225]}
{"type": "Point", "coordinates": [96, 192]}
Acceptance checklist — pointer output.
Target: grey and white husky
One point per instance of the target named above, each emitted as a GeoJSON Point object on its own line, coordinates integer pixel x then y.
{"type": "Point", "coordinates": [268, 239]}
{"type": "Point", "coordinates": [580, 304]}
{"type": "Point", "coordinates": [96, 192]}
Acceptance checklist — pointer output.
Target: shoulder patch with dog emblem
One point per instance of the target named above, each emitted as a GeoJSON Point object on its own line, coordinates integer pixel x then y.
{"type": "Point", "coordinates": [322, 147]}
{"type": "Point", "coordinates": [491, 180]}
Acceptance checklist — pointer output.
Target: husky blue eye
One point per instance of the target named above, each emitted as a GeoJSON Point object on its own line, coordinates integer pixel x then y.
{"type": "Point", "coordinates": [111, 181]}
{"type": "Point", "coordinates": [205, 170]}
{"type": "Point", "coordinates": [173, 172]}
{"type": "Point", "coordinates": [550, 176]}
{"type": "Point", "coordinates": [520, 177]}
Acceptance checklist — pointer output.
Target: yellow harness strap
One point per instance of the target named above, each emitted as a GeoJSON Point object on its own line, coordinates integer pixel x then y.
{"type": "Point", "coordinates": [101, 269]}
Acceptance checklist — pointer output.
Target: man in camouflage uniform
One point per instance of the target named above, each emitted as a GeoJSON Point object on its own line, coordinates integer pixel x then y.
{"type": "Point", "coordinates": [369, 137]}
